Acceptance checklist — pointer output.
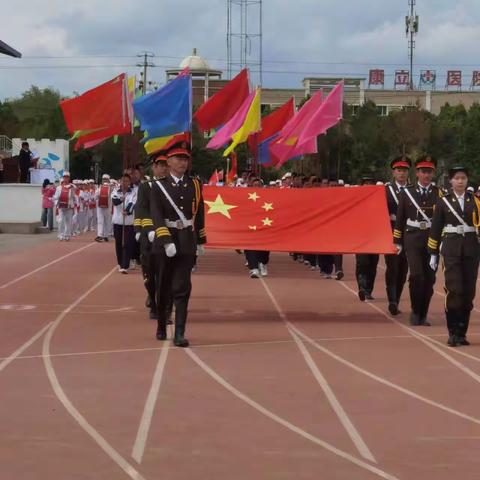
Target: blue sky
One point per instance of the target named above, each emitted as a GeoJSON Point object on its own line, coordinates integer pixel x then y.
{"type": "Point", "coordinates": [302, 38]}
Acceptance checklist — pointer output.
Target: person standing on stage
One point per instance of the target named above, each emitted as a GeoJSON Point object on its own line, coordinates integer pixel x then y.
{"type": "Point", "coordinates": [65, 201]}
{"type": "Point", "coordinates": [396, 265]}
{"type": "Point", "coordinates": [177, 208]}
{"type": "Point", "coordinates": [24, 162]}
{"type": "Point", "coordinates": [414, 219]}
{"type": "Point", "coordinates": [454, 234]}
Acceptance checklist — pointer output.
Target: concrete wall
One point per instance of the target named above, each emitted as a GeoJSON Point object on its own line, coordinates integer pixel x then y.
{"type": "Point", "coordinates": [21, 203]}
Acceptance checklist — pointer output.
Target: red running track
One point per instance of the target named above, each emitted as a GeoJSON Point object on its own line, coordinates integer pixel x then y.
{"type": "Point", "coordinates": [289, 377]}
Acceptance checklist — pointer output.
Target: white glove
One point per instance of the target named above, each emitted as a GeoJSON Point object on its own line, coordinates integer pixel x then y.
{"type": "Point", "coordinates": [151, 236]}
{"type": "Point", "coordinates": [399, 249]}
{"type": "Point", "coordinates": [137, 236]}
{"type": "Point", "coordinates": [434, 262]}
{"type": "Point", "coordinates": [200, 250]}
{"type": "Point", "coordinates": [170, 249]}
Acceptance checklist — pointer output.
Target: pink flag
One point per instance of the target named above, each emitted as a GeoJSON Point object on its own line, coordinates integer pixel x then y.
{"type": "Point", "coordinates": [286, 146]}
{"type": "Point", "coordinates": [325, 117]}
{"type": "Point", "coordinates": [224, 135]}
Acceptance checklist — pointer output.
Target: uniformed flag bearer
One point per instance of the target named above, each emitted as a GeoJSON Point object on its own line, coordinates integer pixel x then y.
{"type": "Point", "coordinates": [454, 234]}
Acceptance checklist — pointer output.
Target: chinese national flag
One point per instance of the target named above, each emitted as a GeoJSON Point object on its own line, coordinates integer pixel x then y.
{"type": "Point", "coordinates": [327, 220]}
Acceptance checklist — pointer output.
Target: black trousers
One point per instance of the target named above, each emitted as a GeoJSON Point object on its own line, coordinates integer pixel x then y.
{"type": "Point", "coordinates": [460, 287]}
{"type": "Point", "coordinates": [326, 262]}
{"type": "Point", "coordinates": [47, 218]}
{"type": "Point", "coordinates": [174, 284]}
{"type": "Point", "coordinates": [338, 263]}
{"type": "Point", "coordinates": [124, 244]}
{"type": "Point", "coordinates": [395, 276]}
{"type": "Point", "coordinates": [422, 277]}
{"type": "Point", "coordinates": [366, 271]}
{"type": "Point", "coordinates": [311, 258]}
{"type": "Point", "coordinates": [23, 175]}
{"type": "Point", "coordinates": [254, 257]}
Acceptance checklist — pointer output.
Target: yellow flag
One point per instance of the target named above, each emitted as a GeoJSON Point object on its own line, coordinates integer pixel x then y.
{"type": "Point", "coordinates": [156, 144]}
{"type": "Point", "coordinates": [250, 125]}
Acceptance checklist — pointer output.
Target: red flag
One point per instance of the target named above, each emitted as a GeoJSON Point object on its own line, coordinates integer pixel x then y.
{"type": "Point", "coordinates": [272, 124]}
{"type": "Point", "coordinates": [232, 173]}
{"type": "Point", "coordinates": [219, 108]}
{"type": "Point", "coordinates": [99, 113]}
{"type": "Point", "coordinates": [316, 220]}
{"type": "Point", "coordinates": [217, 176]}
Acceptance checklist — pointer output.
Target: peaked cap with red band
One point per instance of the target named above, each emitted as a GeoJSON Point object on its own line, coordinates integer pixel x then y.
{"type": "Point", "coordinates": [426, 162]}
{"type": "Point", "coordinates": [401, 162]}
{"type": "Point", "coordinates": [179, 149]}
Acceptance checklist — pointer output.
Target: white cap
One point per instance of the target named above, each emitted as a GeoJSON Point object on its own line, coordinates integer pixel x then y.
{"type": "Point", "coordinates": [470, 189]}
{"type": "Point", "coordinates": [105, 176]}
{"type": "Point", "coordinates": [379, 183]}
{"type": "Point", "coordinates": [341, 182]}
{"type": "Point", "coordinates": [287, 175]}
{"type": "Point", "coordinates": [66, 174]}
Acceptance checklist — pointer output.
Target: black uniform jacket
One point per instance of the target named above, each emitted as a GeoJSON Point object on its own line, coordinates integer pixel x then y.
{"type": "Point", "coordinates": [187, 195]}
{"type": "Point", "coordinates": [407, 210]}
{"type": "Point", "coordinates": [455, 244]}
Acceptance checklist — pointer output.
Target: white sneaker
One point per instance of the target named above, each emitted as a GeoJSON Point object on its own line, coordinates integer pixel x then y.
{"type": "Point", "coordinates": [119, 268]}
{"type": "Point", "coordinates": [123, 270]}
{"type": "Point", "coordinates": [133, 264]}
{"type": "Point", "coordinates": [254, 273]}
{"type": "Point", "coordinates": [263, 269]}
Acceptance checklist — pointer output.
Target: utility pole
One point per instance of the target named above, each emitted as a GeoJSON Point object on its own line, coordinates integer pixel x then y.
{"type": "Point", "coordinates": [145, 64]}
{"type": "Point", "coordinates": [411, 26]}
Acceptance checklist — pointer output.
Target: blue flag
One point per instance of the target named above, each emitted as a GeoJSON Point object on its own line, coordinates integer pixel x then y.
{"type": "Point", "coordinates": [168, 110]}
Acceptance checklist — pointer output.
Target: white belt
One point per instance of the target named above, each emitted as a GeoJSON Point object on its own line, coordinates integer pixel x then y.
{"type": "Point", "coordinates": [422, 225]}
{"type": "Point", "coordinates": [393, 217]}
{"type": "Point", "coordinates": [460, 229]}
{"type": "Point", "coordinates": [178, 224]}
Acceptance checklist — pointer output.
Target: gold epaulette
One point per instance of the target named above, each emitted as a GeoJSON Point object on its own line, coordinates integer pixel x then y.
{"type": "Point", "coordinates": [137, 222]}
{"type": "Point", "coordinates": [397, 234]}
{"type": "Point", "coordinates": [433, 244]}
{"type": "Point", "coordinates": [147, 222]}
{"type": "Point", "coordinates": [162, 232]}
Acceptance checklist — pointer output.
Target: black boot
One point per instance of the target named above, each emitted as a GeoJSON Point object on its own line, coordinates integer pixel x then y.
{"type": "Point", "coordinates": [179, 339]}
{"type": "Point", "coordinates": [153, 315]}
{"type": "Point", "coordinates": [451, 317]}
{"type": "Point", "coordinates": [414, 319]}
{"type": "Point", "coordinates": [161, 330]}
{"type": "Point", "coordinates": [362, 287]}
{"type": "Point", "coordinates": [392, 300]}
{"type": "Point", "coordinates": [464, 320]}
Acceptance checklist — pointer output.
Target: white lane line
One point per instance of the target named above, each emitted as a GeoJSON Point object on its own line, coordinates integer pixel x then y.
{"type": "Point", "coordinates": [144, 427]}
{"type": "Point", "coordinates": [6, 361]}
{"type": "Point", "coordinates": [12, 282]}
{"type": "Point", "coordinates": [62, 397]}
{"type": "Point", "coordinates": [322, 381]}
{"type": "Point", "coordinates": [422, 338]}
{"type": "Point", "coordinates": [382, 380]}
{"type": "Point", "coordinates": [272, 416]}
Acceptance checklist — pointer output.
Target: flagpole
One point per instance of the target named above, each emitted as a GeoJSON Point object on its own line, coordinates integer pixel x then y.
{"type": "Point", "coordinates": [228, 171]}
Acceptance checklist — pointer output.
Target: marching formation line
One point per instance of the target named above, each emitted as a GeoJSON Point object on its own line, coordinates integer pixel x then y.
{"type": "Point", "coordinates": [348, 425]}
{"type": "Point", "coordinates": [264, 411]}
{"type": "Point", "coordinates": [26, 275]}
{"type": "Point", "coordinates": [62, 397]}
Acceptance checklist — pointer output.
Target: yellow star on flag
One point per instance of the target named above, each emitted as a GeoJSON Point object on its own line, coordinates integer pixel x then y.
{"type": "Point", "coordinates": [219, 206]}
{"type": "Point", "coordinates": [267, 206]}
{"type": "Point", "coordinates": [253, 196]}
{"type": "Point", "coordinates": [267, 222]}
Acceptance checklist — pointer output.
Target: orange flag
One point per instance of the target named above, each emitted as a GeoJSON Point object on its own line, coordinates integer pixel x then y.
{"type": "Point", "coordinates": [327, 220]}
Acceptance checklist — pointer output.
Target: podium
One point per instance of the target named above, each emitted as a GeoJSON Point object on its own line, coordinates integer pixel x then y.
{"type": "Point", "coordinates": [37, 176]}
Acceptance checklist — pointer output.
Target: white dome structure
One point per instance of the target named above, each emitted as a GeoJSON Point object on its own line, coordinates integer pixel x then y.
{"type": "Point", "coordinates": [194, 62]}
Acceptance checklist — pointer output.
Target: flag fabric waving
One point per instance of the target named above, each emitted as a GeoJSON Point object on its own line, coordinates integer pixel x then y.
{"type": "Point", "coordinates": [99, 113]}
{"type": "Point", "coordinates": [167, 111]}
{"type": "Point", "coordinates": [346, 220]}
{"type": "Point", "coordinates": [162, 143]}
{"type": "Point", "coordinates": [224, 135]}
{"type": "Point", "coordinates": [327, 115]}
{"type": "Point", "coordinates": [217, 176]}
{"type": "Point", "coordinates": [219, 108]}
{"type": "Point", "coordinates": [232, 173]}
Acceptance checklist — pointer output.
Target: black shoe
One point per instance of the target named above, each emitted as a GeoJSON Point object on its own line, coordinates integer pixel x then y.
{"type": "Point", "coordinates": [393, 308]}
{"type": "Point", "coordinates": [98, 239]}
{"type": "Point", "coordinates": [153, 315]}
{"type": "Point", "coordinates": [105, 239]}
{"type": "Point", "coordinates": [463, 341]}
{"type": "Point", "coordinates": [169, 322]}
{"type": "Point", "coordinates": [453, 341]}
{"type": "Point", "coordinates": [414, 319]}
{"type": "Point", "coordinates": [362, 295]}
{"type": "Point", "coordinates": [424, 322]}
{"type": "Point", "coordinates": [161, 335]}
{"type": "Point", "coordinates": [180, 341]}
{"type": "Point", "coordinates": [148, 302]}
{"type": "Point", "coordinates": [368, 296]}
{"type": "Point", "coordinates": [339, 275]}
